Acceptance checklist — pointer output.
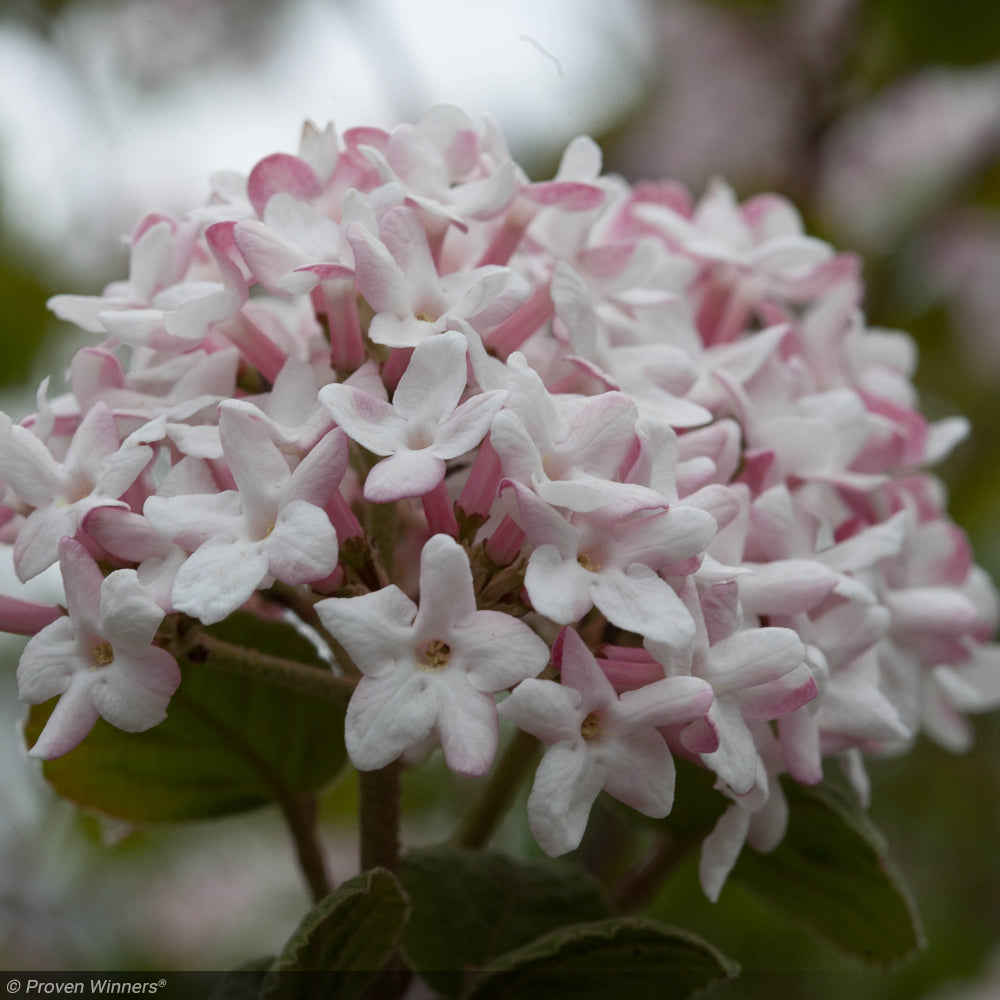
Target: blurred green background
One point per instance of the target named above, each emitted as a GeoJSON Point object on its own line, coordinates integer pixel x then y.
{"type": "Point", "coordinates": [880, 119]}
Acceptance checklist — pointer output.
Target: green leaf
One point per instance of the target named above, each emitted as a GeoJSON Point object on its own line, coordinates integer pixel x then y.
{"type": "Point", "coordinates": [470, 906]}
{"type": "Point", "coordinates": [348, 937]}
{"type": "Point", "coordinates": [697, 805]}
{"type": "Point", "coordinates": [592, 961]}
{"type": "Point", "coordinates": [229, 742]}
{"type": "Point", "coordinates": [832, 872]}
{"type": "Point", "coordinates": [266, 635]}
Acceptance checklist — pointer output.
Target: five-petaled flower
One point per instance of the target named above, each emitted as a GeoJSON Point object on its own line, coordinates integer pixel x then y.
{"type": "Point", "coordinates": [423, 426]}
{"type": "Point", "coordinates": [432, 669]}
{"type": "Point", "coordinates": [100, 658]}
{"type": "Point", "coordinates": [598, 740]}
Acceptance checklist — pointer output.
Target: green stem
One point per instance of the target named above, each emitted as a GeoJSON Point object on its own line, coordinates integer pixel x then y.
{"type": "Point", "coordinates": [379, 822]}
{"type": "Point", "coordinates": [382, 527]}
{"type": "Point", "coordinates": [480, 822]}
{"type": "Point", "coordinates": [290, 674]}
{"type": "Point", "coordinates": [379, 808]}
{"type": "Point", "coordinates": [299, 811]}
{"type": "Point", "coordinates": [638, 886]}
{"type": "Point", "coordinates": [300, 815]}
{"type": "Point", "coordinates": [300, 605]}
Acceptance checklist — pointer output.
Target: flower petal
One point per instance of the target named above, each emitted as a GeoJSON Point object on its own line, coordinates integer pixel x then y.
{"type": "Point", "coordinates": [303, 545]}
{"type": "Point", "coordinates": [721, 848]}
{"type": "Point", "coordinates": [71, 720]}
{"type": "Point", "coordinates": [365, 418]}
{"type": "Point", "coordinates": [258, 466]}
{"type": "Point", "coordinates": [132, 693]}
{"type": "Point", "coordinates": [434, 379]}
{"type": "Point", "coordinates": [467, 425]}
{"type": "Point", "coordinates": [500, 650]}
{"type": "Point", "coordinates": [566, 784]}
{"type": "Point", "coordinates": [405, 474]}
{"type": "Point", "coordinates": [549, 711]}
{"type": "Point", "coordinates": [129, 616]}
{"type": "Point", "coordinates": [752, 657]}
{"type": "Point", "coordinates": [447, 597]}
{"type": "Point", "coordinates": [48, 663]}
{"type": "Point", "coordinates": [376, 629]}
{"type": "Point", "coordinates": [220, 576]}
{"type": "Point", "coordinates": [559, 588]}
{"type": "Point", "coordinates": [468, 727]}
{"type": "Point", "coordinates": [386, 717]}
{"type": "Point", "coordinates": [640, 601]}
{"type": "Point", "coordinates": [640, 772]}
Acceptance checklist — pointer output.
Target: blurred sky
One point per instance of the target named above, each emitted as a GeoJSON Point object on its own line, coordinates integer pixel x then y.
{"type": "Point", "coordinates": [113, 109]}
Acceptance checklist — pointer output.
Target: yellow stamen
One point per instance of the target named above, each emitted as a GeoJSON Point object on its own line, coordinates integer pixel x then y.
{"type": "Point", "coordinates": [103, 654]}
{"type": "Point", "coordinates": [590, 726]}
{"type": "Point", "coordinates": [435, 655]}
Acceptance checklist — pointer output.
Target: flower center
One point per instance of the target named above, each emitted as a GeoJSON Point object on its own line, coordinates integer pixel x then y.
{"type": "Point", "coordinates": [435, 655]}
{"type": "Point", "coordinates": [591, 565]}
{"type": "Point", "coordinates": [590, 726]}
{"type": "Point", "coordinates": [419, 436]}
{"type": "Point", "coordinates": [103, 654]}
{"type": "Point", "coordinates": [553, 466]}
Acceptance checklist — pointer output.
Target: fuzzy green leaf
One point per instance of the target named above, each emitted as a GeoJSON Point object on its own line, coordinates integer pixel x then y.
{"type": "Point", "coordinates": [342, 943]}
{"type": "Point", "coordinates": [832, 872]}
{"type": "Point", "coordinates": [592, 961]}
{"type": "Point", "coordinates": [469, 907]}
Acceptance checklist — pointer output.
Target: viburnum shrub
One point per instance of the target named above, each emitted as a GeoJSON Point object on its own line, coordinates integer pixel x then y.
{"type": "Point", "coordinates": [387, 449]}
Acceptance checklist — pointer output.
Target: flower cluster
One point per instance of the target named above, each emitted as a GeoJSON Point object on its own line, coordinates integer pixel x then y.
{"type": "Point", "coordinates": [625, 468]}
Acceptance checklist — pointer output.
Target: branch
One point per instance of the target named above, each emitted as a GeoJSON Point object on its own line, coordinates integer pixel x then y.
{"type": "Point", "coordinates": [482, 819]}
{"type": "Point", "coordinates": [290, 674]}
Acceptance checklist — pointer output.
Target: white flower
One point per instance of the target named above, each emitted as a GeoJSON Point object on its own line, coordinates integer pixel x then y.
{"type": "Point", "coordinates": [598, 740]}
{"type": "Point", "coordinates": [99, 658]}
{"type": "Point", "coordinates": [613, 563]}
{"type": "Point", "coordinates": [96, 471]}
{"type": "Point", "coordinates": [398, 277]}
{"type": "Point", "coordinates": [160, 305]}
{"type": "Point", "coordinates": [568, 449]}
{"type": "Point", "coordinates": [756, 674]}
{"type": "Point", "coordinates": [272, 528]}
{"type": "Point", "coordinates": [423, 426]}
{"type": "Point", "coordinates": [430, 670]}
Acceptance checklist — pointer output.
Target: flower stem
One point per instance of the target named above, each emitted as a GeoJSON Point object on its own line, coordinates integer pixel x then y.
{"type": "Point", "coordinates": [304, 608]}
{"type": "Point", "coordinates": [300, 815]}
{"type": "Point", "coordinates": [480, 822]}
{"type": "Point", "coordinates": [290, 674]}
{"type": "Point", "coordinates": [380, 811]}
{"type": "Point", "coordinates": [299, 811]}
{"type": "Point", "coordinates": [379, 808]}
{"type": "Point", "coordinates": [639, 885]}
